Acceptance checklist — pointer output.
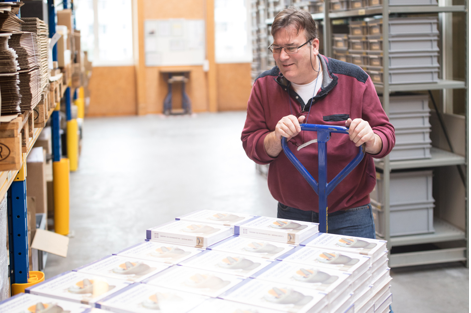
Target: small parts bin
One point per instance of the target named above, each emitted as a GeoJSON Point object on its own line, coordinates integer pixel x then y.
{"type": "Point", "coordinates": [411, 203]}
{"type": "Point", "coordinates": [340, 40]}
{"type": "Point", "coordinates": [358, 28]}
{"type": "Point", "coordinates": [413, 2]}
{"type": "Point", "coordinates": [406, 76]}
{"type": "Point", "coordinates": [405, 26]}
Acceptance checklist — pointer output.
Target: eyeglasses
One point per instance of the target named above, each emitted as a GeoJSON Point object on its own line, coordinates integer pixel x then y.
{"type": "Point", "coordinates": [288, 50]}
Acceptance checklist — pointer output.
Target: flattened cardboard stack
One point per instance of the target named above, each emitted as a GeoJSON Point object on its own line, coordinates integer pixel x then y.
{"type": "Point", "coordinates": [323, 274]}
{"type": "Point", "coordinates": [37, 26]}
{"type": "Point", "coordinates": [9, 22]}
{"type": "Point", "coordinates": [25, 45]}
{"type": "Point", "coordinates": [9, 78]}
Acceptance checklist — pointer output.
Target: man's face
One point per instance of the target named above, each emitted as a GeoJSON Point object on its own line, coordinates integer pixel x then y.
{"type": "Point", "coordinates": [296, 67]}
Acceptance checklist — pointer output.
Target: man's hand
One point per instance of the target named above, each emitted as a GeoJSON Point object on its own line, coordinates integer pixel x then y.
{"type": "Point", "coordinates": [360, 132]}
{"type": "Point", "coordinates": [288, 127]}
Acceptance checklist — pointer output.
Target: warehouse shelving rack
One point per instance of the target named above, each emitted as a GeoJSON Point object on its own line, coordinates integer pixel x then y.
{"type": "Point", "coordinates": [444, 231]}
{"type": "Point", "coordinates": [14, 182]}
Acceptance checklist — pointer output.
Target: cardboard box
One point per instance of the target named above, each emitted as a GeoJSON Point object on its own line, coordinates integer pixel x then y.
{"type": "Point", "coordinates": [216, 217]}
{"type": "Point", "coordinates": [124, 268]}
{"type": "Point", "coordinates": [251, 247]}
{"type": "Point", "coordinates": [227, 263]}
{"type": "Point", "coordinates": [64, 17]}
{"type": "Point", "coordinates": [193, 280]}
{"type": "Point", "coordinates": [36, 181]}
{"type": "Point", "coordinates": [63, 49]}
{"type": "Point", "coordinates": [77, 75]}
{"type": "Point", "coordinates": [160, 252]}
{"type": "Point", "coordinates": [277, 296]}
{"type": "Point", "coordinates": [276, 229]}
{"type": "Point", "coordinates": [364, 246]}
{"type": "Point", "coordinates": [45, 140]}
{"type": "Point", "coordinates": [197, 235]}
{"type": "Point", "coordinates": [146, 298]}
{"type": "Point", "coordinates": [78, 287]}
{"type": "Point", "coordinates": [29, 303]}
{"type": "Point", "coordinates": [77, 47]}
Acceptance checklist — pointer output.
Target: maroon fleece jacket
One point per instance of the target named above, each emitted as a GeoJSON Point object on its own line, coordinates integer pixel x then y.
{"type": "Point", "coordinates": [347, 91]}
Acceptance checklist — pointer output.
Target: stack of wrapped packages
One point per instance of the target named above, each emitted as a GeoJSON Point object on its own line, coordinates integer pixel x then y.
{"type": "Point", "coordinates": [211, 261]}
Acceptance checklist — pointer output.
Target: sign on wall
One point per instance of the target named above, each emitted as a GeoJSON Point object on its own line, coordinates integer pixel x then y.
{"type": "Point", "coordinates": [174, 42]}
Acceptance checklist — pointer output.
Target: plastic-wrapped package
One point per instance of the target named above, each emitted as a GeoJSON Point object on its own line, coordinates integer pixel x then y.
{"type": "Point", "coordinates": [4, 284]}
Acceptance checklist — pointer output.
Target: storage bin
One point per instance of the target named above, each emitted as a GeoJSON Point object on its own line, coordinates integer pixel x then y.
{"type": "Point", "coordinates": [340, 40]}
{"type": "Point", "coordinates": [407, 76]}
{"type": "Point", "coordinates": [413, 44]}
{"type": "Point", "coordinates": [406, 60]}
{"type": "Point", "coordinates": [402, 26]}
{"type": "Point", "coordinates": [358, 45]}
{"type": "Point", "coordinates": [316, 7]}
{"type": "Point", "coordinates": [405, 26]}
{"type": "Point", "coordinates": [340, 56]}
{"type": "Point", "coordinates": [358, 28]}
{"type": "Point", "coordinates": [407, 103]}
{"type": "Point", "coordinates": [357, 4]}
{"type": "Point", "coordinates": [405, 221]}
{"type": "Point", "coordinates": [413, 2]}
{"type": "Point", "coordinates": [374, 43]}
{"type": "Point", "coordinates": [413, 135]}
{"type": "Point", "coordinates": [357, 59]}
{"type": "Point", "coordinates": [341, 5]}
{"type": "Point", "coordinates": [405, 188]}
{"type": "Point", "coordinates": [410, 119]}
{"type": "Point", "coordinates": [375, 26]}
{"type": "Point", "coordinates": [374, 3]}
{"type": "Point", "coordinates": [402, 152]}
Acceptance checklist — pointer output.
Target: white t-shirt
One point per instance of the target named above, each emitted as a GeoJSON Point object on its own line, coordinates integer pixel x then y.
{"type": "Point", "coordinates": [309, 90]}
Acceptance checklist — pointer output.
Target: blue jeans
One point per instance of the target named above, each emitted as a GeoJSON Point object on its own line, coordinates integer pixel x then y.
{"type": "Point", "coordinates": [357, 222]}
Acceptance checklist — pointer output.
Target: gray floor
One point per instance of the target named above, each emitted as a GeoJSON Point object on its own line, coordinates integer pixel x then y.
{"type": "Point", "coordinates": [139, 172]}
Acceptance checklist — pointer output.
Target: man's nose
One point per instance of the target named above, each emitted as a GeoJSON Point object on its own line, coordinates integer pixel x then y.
{"type": "Point", "coordinates": [283, 54]}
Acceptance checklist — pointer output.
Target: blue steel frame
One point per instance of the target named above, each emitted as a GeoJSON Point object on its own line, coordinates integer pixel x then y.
{"type": "Point", "coordinates": [18, 233]}
{"type": "Point", "coordinates": [55, 118]}
{"type": "Point", "coordinates": [323, 188]}
{"type": "Point", "coordinates": [18, 227]}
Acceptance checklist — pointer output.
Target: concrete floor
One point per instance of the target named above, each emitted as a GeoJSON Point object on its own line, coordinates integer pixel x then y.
{"type": "Point", "coordinates": [139, 172]}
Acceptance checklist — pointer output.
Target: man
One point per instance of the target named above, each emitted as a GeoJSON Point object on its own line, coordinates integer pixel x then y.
{"type": "Point", "coordinates": [306, 87]}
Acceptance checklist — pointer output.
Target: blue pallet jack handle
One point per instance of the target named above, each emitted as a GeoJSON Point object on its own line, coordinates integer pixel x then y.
{"type": "Point", "coordinates": [323, 188]}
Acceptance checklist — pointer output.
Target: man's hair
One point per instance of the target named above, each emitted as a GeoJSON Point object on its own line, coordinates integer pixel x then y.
{"type": "Point", "coordinates": [300, 19]}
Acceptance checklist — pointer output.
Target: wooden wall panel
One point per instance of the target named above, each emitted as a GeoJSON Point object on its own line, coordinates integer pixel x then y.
{"type": "Point", "coordinates": [164, 9]}
{"type": "Point", "coordinates": [113, 91]}
{"type": "Point", "coordinates": [234, 86]}
{"type": "Point", "coordinates": [156, 85]}
{"type": "Point", "coordinates": [155, 82]}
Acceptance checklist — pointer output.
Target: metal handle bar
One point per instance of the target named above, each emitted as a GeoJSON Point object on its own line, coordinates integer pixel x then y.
{"type": "Point", "coordinates": [323, 188]}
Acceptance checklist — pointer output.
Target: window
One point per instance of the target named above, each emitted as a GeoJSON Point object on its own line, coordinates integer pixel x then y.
{"type": "Point", "coordinates": [106, 30]}
{"type": "Point", "coordinates": [233, 43]}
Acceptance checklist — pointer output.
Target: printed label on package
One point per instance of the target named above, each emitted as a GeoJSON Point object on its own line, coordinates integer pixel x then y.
{"type": "Point", "coordinates": [227, 262]}
{"type": "Point", "coordinates": [254, 247]}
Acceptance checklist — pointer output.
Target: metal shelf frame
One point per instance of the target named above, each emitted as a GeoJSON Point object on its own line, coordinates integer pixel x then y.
{"type": "Point", "coordinates": [439, 157]}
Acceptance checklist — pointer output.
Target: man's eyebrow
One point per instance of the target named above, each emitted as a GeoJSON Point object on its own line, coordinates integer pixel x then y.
{"type": "Point", "coordinates": [290, 44]}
